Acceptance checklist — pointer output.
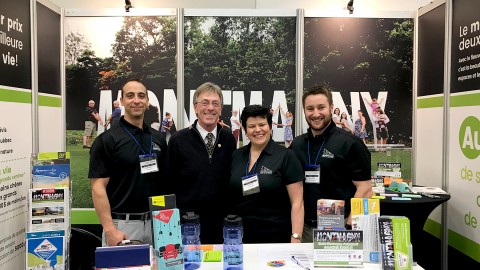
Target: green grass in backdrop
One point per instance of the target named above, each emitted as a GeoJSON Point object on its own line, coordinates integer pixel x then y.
{"type": "Point", "coordinates": [82, 193]}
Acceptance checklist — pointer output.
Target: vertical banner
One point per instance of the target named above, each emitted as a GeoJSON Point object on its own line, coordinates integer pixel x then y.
{"type": "Point", "coordinates": [252, 59]}
{"type": "Point", "coordinates": [101, 54]}
{"type": "Point", "coordinates": [464, 160]}
{"type": "Point", "coordinates": [15, 129]}
{"type": "Point", "coordinates": [367, 64]}
{"type": "Point", "coordinates": [430, 100]}
{"type": "Point", "coordinates": [50, 116]}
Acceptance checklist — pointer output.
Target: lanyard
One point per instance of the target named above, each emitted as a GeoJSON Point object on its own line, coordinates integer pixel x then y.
{"type": "Point", "coordinates": [248, 164]}
{"type": "Point", "coordinates": [137, 141]}
{"type": "Point", "coordinates": [319, 150]}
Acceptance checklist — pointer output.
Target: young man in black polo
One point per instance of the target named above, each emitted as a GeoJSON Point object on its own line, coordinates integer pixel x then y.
{"type": "Point", "coordinates": [336, 163]}
{"type": "Point", "coordinates": [125, 169]}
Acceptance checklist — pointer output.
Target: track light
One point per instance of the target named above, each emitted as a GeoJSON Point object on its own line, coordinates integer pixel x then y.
{"type": "Point", "coordinates": [350, 6]}
{"type": "Point", "coordinates": [128, 5]}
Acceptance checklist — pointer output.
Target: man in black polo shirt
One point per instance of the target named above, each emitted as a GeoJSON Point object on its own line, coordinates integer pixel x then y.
{"type": "Point", "coordinates": [90, 124]}
{"type": "Point", "coordinates": [125, 167]}
{"type": "Point", "coordinates": [336, 163]}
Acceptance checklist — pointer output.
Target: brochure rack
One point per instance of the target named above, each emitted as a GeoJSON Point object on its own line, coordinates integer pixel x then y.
{"type": "Point", "coordinates": [49, 203]}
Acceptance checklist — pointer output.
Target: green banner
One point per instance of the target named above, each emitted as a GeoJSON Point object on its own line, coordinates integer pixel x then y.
{"type": "Point", "coordinates": [48, 101]}
{"type": "Point", "coordinates": [433, 102]}
{"type": "Point", "coordinates": [15, 96]}
{"type": "Point", "coordinates": [465, 100]}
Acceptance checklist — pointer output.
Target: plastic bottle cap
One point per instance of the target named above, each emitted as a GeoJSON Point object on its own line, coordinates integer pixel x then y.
{"type": "Point", "coordinates": [190, 217]}
{"type": "Point", "coordinates": [232, 220]}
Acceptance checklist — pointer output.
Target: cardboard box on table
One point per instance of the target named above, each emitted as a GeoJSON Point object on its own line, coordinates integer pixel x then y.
{"type": "Point", "coordinates": [123, 257]}
{"type": "Point", "coordinates": [396, 248]}
{"type": "Point", "coordinates": [167, 234]}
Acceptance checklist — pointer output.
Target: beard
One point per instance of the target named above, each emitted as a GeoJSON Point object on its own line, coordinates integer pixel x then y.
{"type": "Point", "coordinates": [318, 129]}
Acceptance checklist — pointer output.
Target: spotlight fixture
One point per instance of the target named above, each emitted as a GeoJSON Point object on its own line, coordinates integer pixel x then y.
{"type": "Point", "coordinates": [128, 5]}
{"type": "Point", "coordinates": [350, 6]}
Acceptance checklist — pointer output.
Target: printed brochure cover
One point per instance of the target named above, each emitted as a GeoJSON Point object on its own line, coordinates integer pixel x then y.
{"type": "Point", "coordinates": [342, 249]}
{"type": "Point", "coordinates": [48, 209]}
{"type": "Point", "coordinates": [46, 250]}
{"type": "Point", "coordinates": [51, 170]}
{"type": "Point", "coordinates": [395, 243]}
{"type": "Point", "coordinates": [330, 214]}
{"type": "Point", "coordinates": [365, 213]}
{"type": "Point", "coordinates": [389, 169]}
{"type": "Point", "coordinates": [378, 185]}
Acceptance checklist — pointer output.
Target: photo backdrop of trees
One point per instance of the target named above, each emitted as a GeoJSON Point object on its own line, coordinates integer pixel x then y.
{"type": "Point", "coordinates": [144, 48]}
{"type": "Point", "coordinates": [241, 54]}
{"type": "Point", "coordinates": [364, 55]}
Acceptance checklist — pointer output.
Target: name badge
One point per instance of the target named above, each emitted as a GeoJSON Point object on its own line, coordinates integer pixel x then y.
{"type": "Point", "coordinates": [312, 174]}
{"type": "Point", "coordinates": [250, 184]}
{"type": "Point", "coordinates": [148, 163]}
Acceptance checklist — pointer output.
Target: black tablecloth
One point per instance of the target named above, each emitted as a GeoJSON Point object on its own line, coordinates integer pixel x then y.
{"type": "Point", "coordinates": [416, 210]}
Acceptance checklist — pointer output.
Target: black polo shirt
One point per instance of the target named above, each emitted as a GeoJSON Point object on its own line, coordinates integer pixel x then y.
{"type": "Point", "coordinates": [266, 215]}
{"type": "Point", "coordinates": [115, 154]}
{"type": "Point", "coordinates": [343, 158]}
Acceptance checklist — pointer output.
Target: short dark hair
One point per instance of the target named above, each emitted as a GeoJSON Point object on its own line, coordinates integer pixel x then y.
{"type": "Point", "coordinates": [255, 111]}
{"type": "Point", "coordinates": [315, 90]}
{"type": "Point", "coordinates": [134, 80]}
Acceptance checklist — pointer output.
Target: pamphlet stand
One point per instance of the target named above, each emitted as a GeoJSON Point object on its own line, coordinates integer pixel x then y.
{"type": "Point", "coordinates": [49, 203]}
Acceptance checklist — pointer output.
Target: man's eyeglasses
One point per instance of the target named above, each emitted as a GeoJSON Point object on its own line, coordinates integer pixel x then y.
{"type": "Point", "coordinates": [205, 103]}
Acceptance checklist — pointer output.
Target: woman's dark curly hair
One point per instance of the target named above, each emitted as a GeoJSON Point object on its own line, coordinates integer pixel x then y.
{"type": "Point", "coordinates": [255, 111]}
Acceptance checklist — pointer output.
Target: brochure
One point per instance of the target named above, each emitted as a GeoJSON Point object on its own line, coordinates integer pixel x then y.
{"type": "Point", "coordinates": [389, 166]}
{"type": "Point", "coordinates": [330, 214]}
{"type": "Point", "coordinates": [388, 169]}
{"type": "Point", "coordinates": [365, 213]}
{"type": "Point", "coordinates": [51, 170]}
{"type": "Point", "coordinates": [45, 250]}
{"type": "Point", "coordinates": [378, 185]}
{"type": "Point", "coordinates": [342, 249]}
{"type": "Point", "coordinates": [48, 209]}
{"type": "Point", "coordinates": [428, 190]}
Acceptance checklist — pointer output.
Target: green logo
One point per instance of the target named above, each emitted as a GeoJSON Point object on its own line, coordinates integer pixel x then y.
{"type": "Point", "coordinates": [469, 137]}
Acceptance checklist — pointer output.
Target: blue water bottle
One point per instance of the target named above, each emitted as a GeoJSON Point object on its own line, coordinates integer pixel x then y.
{"type": "Point", "coordinates": [232, 243]}
{"type": "Point", "coordinates": [191, 240]}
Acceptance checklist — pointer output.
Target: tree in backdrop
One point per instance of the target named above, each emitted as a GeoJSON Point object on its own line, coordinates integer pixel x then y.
{"type": "Point", "coordinates": [364, 55]}
{"type": "Point", "coordinates": [147, 46]}
{"type": "Point", "coordinates": [144, 48]}
{"type": "Point", "coordinates": [75, 45]}
{"type": "Point", "coordinates": [241, 54]}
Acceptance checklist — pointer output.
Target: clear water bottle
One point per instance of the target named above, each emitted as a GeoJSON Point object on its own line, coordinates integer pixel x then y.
{"type": "Point", "coordinates": [191, 240]}
{"type": "Point", "coordinates": [232, 243]}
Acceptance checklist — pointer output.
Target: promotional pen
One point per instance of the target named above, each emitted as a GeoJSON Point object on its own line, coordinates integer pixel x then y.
{"type": "Point", "coordinates": [299, 263]}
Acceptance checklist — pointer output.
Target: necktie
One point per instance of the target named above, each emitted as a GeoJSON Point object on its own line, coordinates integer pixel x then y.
{"type": "Point", "coordinates": [210, 143]}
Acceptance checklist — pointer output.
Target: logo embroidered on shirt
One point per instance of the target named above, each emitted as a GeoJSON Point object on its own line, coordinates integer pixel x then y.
{"type": "Point", "coordinates": [265, 170]}
{"type": "Point", "coordinates": [327, 154]}
{"type": "Point", "coordinates": [156, 147]}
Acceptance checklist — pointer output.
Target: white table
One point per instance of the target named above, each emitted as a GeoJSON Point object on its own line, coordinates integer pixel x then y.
{"type": "Point", "coordinates": [256, 256]}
